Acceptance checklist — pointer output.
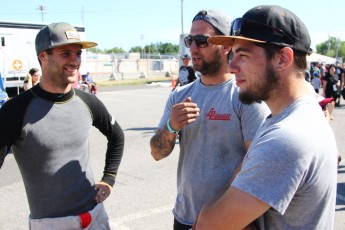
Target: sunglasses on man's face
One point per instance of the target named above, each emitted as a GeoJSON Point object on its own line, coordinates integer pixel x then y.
{"type": "Point", "coordinates": [200, 41]}
{"type": "Point", "coordinates": [254, 30]}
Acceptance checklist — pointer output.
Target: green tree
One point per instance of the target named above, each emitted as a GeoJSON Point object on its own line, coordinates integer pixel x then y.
{"type": "Point", "coordinates": [114, 50]}
{"type": "Point", "coordinates": [152, 48]}
{"type": "Point", "coordinates": [330, 48]}
{"type": "Point", "coordinates": [163, 48]}
{"type": "Point", "coordinates": [136, 49]}
{"type": "Point", "coordinates": [167, 48]}
{"type": "Point", "coordinates": [95, 50]}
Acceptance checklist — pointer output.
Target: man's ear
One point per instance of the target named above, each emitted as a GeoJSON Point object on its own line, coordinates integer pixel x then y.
{"type": "Point", "coordinates": [43, 56]}
{"type": "Point", "coordinates": [284, 58]}
{"type": "Point", "coordinates": [227, 49]}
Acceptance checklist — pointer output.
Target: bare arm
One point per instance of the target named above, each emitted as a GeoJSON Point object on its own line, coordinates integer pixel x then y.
{"type": "Point", "coordinates": [163, 142]}
{"type": "Point", "coordinates": [235, 209]}
{"type": "Point", "coordinates": [176, 84]}
{"type": "Point", "coordinates": [324, 84]}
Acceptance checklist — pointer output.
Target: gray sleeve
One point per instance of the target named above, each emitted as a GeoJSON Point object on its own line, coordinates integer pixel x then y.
{"type": "Point", "coordinates": [252, 116]}
{"type": "Point", "coordinates": [167, 111]}
{"type": "Point", "coordinates": [271, 172]}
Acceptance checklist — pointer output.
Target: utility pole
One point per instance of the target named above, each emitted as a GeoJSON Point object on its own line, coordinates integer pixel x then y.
{"type": "Point", "coordinates": [182, 16]}
{"type": "Point", "coordinates": [142, 46]}
{"type": "Point", "coordinates": [337, 44]}
{"type": "Point", "coordinates": [329, 46]}
{"type": "Point", "coordinates": [83, 14]}
{"type": "Point", "coordinates": [43, 10]}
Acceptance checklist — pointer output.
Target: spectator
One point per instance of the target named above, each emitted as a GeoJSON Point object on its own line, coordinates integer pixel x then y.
{"type": "Point", "coordinates": [76, 84]}
{"type": "Point", "coordinates": [213, 127]}
{"type": "Point", "coordinates": [3, 94]}
{"type": "Point", "coordinates": [324, 102]}
{"type": "Point", "coordinates": [186, 73]}
{"type": "Point", "coordinates": [316, 82]}
{"type": "Point", "coordinates": [53, 155]}
{"type": "Point", "coordinates": [288, 178]}
{"type": "Point", "coordinates": [330, 89]}
{"type": "Point", "coordinates": [85, 85]}
{"type": "Point", "coordinates": [307, 75]}
{"type": "Point", "coordinates": [32, 78]}
{"type": "Point", "coordinates": [87, 82]}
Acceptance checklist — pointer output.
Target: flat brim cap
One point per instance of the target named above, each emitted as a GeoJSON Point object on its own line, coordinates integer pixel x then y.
{"type": "Point", "coordinates": [276, 17]}
{"type": "Point", "coordinates": [229, 40]}
{"type": "Point", "coordinates": [59, 34]}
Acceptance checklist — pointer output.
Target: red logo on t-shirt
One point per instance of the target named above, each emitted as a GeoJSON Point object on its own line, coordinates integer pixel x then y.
{"type": "Point", "coordinates": [213, 115]}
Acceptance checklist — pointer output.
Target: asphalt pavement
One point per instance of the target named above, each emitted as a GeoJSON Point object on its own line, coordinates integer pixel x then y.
{"type": "Point", "coordinates": [145, 190]}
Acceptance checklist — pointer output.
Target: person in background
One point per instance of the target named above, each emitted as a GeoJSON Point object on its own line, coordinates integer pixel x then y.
{"type": "Point", "coordinates": [76, 84]}
{"type": "Point", "coordinates": [53, 155]}
{"type": "Point", "coordinates": [330, 88]}
{"type": "Point", "coordinates": [85, 85]}
{"type": "Point", "coordinates": [339, 73]}
{"type": "Point", "coordinates": [186, 73]}
{"type": "Point", "coordinates": [316, 82]}
{"type": "Point", "coordinates": [307, 75]}
{"type": "Point", "coordinates": [288, 178]}
{"type": "Point", "coordinates": [3, 93]}
{"type": "Point", "coordinates": [32, 78]}
{"type": "Point", "coordinates": [214, 128]}
{"type": "Point", "coordinates": [93, 85]}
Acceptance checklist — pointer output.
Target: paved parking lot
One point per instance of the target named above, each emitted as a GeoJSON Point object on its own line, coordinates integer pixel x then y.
{"type": "Point", "coordinates": [144, 193]}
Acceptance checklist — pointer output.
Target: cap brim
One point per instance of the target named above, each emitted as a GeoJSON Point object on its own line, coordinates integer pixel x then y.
{"type": "Point", "coordinates": [84, 44]}
{"type": "Point", "coordinates": [229, 40]}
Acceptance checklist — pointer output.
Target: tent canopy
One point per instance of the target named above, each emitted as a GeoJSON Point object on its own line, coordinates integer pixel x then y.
{"type": "Point", "coordinates": [314, 57]}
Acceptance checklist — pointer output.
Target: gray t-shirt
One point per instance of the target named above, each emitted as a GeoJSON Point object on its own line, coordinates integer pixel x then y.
{"type": "Point", "coordinates": [213, 146]}
{"type": "Point", "coordinates": [292, 166]}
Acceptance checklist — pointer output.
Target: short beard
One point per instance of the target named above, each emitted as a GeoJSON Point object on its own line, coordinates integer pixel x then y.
{"type": "Point", "coordinates": [213, 67]}
{"type": "Point", "coordinates": [262, 91]}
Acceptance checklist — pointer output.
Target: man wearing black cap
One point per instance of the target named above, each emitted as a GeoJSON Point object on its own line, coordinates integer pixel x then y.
{"type": "Point", "coordinates": [213, 126]}
{"type": "Point", "coordinates": [186, 73]}
{"type": "Point", "coordinates": [288, 177]}
{"type": "Point", "coordinates": [48, 128]}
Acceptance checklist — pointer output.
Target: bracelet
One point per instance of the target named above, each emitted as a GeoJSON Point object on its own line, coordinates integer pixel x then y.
{"type": "Point", "coordinates": [171, 130]}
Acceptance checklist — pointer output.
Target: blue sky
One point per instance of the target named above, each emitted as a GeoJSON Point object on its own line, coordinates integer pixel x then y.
{"type": "Point", "coordinates": [129, 23]}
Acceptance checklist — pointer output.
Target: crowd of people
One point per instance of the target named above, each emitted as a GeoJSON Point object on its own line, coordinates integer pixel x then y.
{"type": "Point", "coordinates": [330, 78]}
{"type": "Point", "coordinates": [244, 159]}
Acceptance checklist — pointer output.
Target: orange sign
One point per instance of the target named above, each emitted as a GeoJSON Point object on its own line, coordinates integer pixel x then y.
{"type": "Point", "coordinates": [17, 64]}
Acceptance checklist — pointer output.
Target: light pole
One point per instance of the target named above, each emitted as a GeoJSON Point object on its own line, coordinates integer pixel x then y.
{"type": "Point", "coordinates": [182, 15]}
{"type": "Point", "coordinates": [42, 9]}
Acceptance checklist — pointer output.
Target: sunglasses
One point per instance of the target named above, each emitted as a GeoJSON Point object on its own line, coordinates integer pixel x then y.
{"type": "Point", "coordinates": [255, 30]}
{"type": "Point", "coordinates": [200, 41]}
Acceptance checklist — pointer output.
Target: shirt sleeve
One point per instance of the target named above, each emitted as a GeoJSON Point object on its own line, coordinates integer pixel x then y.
{"type": "Point", "coordinates": [11, 121]}
{"type": "Point", "coordinates": [252, 116]}
{"type": "Point", "coordinates": [110, 128]}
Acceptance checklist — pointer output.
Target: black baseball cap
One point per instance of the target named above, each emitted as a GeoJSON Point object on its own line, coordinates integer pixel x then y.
{"type": "Point", "coordinates": [216, 18]}
{"type": "Point", "coordinates": [268, 24]}
{"type": "Point", "coordinates": [59, 34]}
